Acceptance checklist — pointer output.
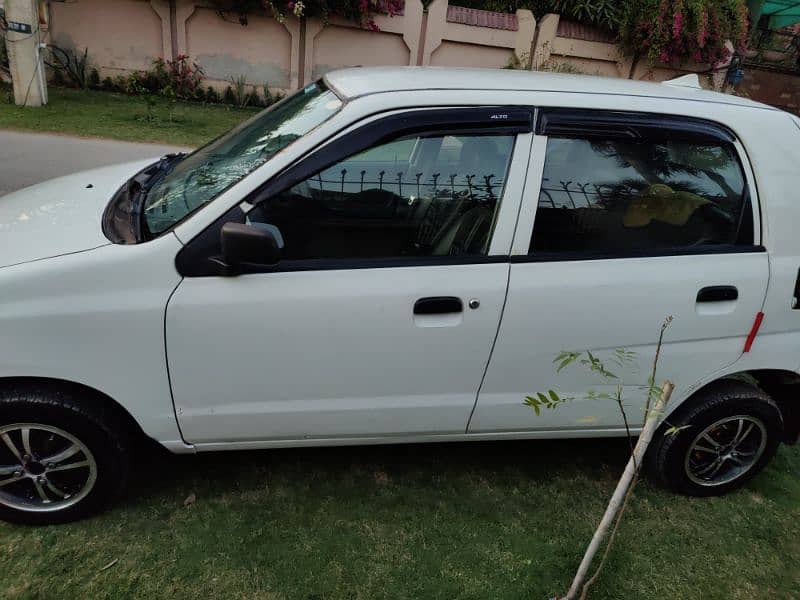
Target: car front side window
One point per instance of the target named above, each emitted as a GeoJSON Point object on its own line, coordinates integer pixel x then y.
{"type": "Point", "coordinates": [415, 196]}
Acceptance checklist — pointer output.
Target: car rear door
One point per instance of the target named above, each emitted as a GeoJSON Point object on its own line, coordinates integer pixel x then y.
{"type": "Point", "coordinates": [380, 317]}
{"type": "Point", "coordinates": [627, 219]}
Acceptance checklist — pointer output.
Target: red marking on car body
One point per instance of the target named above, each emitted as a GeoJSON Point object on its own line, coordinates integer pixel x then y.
{"type": "Point", "coordinates": [753, 331]}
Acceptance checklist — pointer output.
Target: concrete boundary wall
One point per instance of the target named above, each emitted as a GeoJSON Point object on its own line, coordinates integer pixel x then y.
{"type": "Point", "coordinates": [126, 35]}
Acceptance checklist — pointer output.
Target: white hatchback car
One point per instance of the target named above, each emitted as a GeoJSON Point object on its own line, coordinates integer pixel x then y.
{"type": "Point", "coordinates": [396, 255]}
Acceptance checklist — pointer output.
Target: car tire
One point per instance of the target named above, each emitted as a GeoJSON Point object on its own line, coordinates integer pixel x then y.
{"type": "Point", "coordinates": [726, 435]}
{"type": "Point", "coordinates": [64, 454]}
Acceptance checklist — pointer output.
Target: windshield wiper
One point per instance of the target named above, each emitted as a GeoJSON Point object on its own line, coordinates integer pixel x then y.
{"type": "Point", "coordinates": [139, 185]}
{"type": "Point", "coordinates": [163, 166]}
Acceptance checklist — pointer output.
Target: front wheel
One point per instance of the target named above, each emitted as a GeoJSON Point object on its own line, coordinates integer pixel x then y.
{"type": "Point", "coordinates": [726, 436]}
{"type": "Point", "coordinates": [63, 455]}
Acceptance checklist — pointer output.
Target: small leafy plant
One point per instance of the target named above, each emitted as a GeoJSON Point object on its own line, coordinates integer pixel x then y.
{"type": "Point", "coordinates": [69, 65]}
{"type": "Point", "coordinates": [656, 400]}
{"type": "Point", "coordinates": [271, 97]}
{"type": "Point", "coordinates": [179, 78]}
{"type": "Point", "coordinates": [238, 87]}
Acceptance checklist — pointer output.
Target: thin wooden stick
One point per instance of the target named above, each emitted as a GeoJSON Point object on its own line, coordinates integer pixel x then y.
{"type": "Point", "coordinates": [621, 490]}
{"type": "Point", "coordinates": [610, 542]}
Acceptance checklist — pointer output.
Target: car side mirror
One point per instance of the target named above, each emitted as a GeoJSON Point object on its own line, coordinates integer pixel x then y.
{"type": "Point", "coordinates": [245, 245]}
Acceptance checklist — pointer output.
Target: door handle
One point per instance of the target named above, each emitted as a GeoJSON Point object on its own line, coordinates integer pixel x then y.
{"type": "Point", "coordinates": [718, 293]}
{"type": "Point", "coordinates": [438, 305]}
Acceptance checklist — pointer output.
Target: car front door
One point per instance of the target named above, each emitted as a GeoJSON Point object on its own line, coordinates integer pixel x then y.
{"type": "Point", "coordinates": [380, 316]}
{"type": "Point", "coordinates": [629, 219]}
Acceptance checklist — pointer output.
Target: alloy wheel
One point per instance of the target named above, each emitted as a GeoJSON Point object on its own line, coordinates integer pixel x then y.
{"type": "Point", "coordinates": [43, 468]}
{"type": "Point", "coordinates": [726, 450]}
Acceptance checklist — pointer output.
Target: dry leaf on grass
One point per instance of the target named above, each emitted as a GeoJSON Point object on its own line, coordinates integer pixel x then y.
{"type": "Point", "coordinates": [109, 565]}
{"type": "Point", "coordinates": [190, 499]}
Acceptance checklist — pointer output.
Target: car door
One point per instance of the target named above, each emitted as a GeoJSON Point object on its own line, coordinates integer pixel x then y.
{"type": "Point", "coordinates": [380, 316]}
{"type": "Point", "coordinates": [629, 219]}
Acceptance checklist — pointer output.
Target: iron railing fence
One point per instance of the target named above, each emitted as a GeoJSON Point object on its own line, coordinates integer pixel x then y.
{"type": "Point", "coordinates": [775, 49]}
{"type": "Point", "coordinates": [488, 186]}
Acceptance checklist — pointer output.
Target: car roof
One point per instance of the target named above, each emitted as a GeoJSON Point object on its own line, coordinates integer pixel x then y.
{"type": "Point", "coordinates": [361, 81]}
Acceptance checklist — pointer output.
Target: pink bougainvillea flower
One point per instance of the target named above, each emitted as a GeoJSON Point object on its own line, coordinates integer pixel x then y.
{"type": "Point", "coordinates": [677, 25]}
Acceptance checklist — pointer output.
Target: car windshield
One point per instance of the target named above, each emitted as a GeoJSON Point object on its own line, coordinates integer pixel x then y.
{"type": "Point", "coordinates": [204, 174]}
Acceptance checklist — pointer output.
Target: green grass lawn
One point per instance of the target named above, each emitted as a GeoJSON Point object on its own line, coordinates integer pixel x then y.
{"type": "Point", "coordinates": [103, 114]}
{"type": "Point", "coordinates": [482, 520]}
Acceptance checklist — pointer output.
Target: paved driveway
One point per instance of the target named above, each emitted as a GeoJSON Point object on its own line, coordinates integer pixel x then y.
{"type": "Point", "coordinates": [28, 158]}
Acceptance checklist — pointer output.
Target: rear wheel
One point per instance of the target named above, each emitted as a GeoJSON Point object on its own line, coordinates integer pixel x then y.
{"type": "Point", "coordinates": [63, 456]}
{"type": "Point", "coordinates": [726, 436]}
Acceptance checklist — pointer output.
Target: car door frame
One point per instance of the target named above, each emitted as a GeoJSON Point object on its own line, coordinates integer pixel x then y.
{"type": "Point", "coordinates": [530, 202]}
{"type": "Point", "coordinates": [192, 261]}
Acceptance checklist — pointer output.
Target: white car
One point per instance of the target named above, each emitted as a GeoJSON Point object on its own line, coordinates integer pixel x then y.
{"type": "Point", "coordinates": [397, 255]}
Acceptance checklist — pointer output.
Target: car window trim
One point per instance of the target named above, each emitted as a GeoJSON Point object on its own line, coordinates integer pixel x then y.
{"type": "Point", "coordinates": [484, 120]}
{"type": "Point", "coordinates": [193, 259]}
{"type": "Point", "coordinates": [712, 249]}
{"type": "Point", "coordinates": [584, 123]}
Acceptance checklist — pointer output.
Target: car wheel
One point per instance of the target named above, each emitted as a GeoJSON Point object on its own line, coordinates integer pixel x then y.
{"type": "Point", "coordinates": [63, 455]}
{"type": "Point", "coordinates": [725, 437]}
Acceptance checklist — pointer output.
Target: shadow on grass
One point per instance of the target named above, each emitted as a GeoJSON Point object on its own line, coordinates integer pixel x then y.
{"type": "Point", "coordinates": [541, 461]}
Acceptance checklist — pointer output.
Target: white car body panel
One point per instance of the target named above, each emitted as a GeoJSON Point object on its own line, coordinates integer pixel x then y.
{"type": "Point", "coordinates": [369, 365]}
{"type": "Point", "coordinates": [606, 304]}
{"type": "Point", "coordinates": [59, 216]}
{"type": "Point", "coordinates": [96, 318]}
{"type": "Point", "coordinates": [345, 346]}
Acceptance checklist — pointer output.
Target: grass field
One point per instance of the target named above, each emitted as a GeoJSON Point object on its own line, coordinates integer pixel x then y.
{"type": "Point", "coordinates": [102, 114]}
{"type": "Point", "coordinates": [482, 520]}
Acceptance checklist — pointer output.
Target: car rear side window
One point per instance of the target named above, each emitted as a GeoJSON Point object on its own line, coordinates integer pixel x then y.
{"type": "Point", "coordinates": [627, 195]}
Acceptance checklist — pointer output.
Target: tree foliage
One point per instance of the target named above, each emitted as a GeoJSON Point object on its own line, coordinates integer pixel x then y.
{"type": "Point", "coordinates": [602, 13]}
{"type": "Point", "coordinates": [661, 31]}
{"type": "Point", "coordinates": [359, 11]}
{"type": "Point", "coordinates": [677, 31]}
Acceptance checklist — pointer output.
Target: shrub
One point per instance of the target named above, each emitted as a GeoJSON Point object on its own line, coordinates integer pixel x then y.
{"type": "Point", "coordinates": [212, 96]}
{"type": "Point", "coordinates": [58, 78]}
{"type": "Point", "coordinates": [94, 79]}
{"type": "Point", "coordinates": [271, 97]}
{"type": "Point", "coordinates": [179, 78]}
{"type": "Point", "coordinates": [228, 96]}
{"type": "Point", "coordinates": [120, 84]}
{"type": "Point", "coordinates": [69, 66]}
{"type": "Point", "coordinates": [182, 75]}
{"type": "Point", "coordinates": [253, 99]}
{"type": "Point", "coordinates": [239, 93]}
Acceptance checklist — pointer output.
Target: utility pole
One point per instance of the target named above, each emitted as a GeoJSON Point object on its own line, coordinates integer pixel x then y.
{"type": "Point", "coordinates": [23, 42]}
